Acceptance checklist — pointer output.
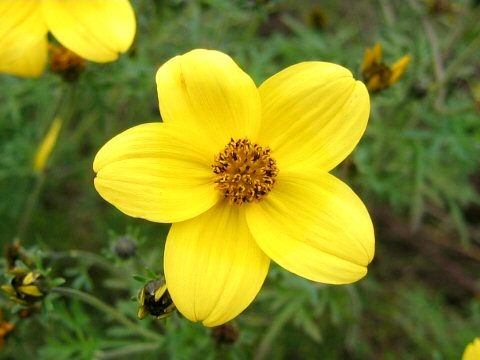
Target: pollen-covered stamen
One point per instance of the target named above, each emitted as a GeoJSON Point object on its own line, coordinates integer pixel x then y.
{"type": "Point", "coordinates": [245, 172]}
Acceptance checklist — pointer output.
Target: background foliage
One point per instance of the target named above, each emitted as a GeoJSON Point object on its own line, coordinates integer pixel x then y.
{"type": "Point", "coordinates": [417, 169]}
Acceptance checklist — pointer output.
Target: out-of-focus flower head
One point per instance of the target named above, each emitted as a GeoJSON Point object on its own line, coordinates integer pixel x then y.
{"type": "Point", "coordinates": [316, 17]}
{"type": "Point", "coordinates": [27, 287]}
{"type": "Point", "coordinates": [96, 30]}
{"type": "Point", "coordinates": [472, 351]}
{"type": "Point", "coordinates": [378, 75]}
{"type": "Point", "coordinates": [5, 328]}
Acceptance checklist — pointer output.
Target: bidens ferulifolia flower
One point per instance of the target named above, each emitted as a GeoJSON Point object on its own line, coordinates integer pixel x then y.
{"type": "Point", "coordinates": [97, 30]}
{"type": "Point", "coordinates": [377, 74]}
{"type": "Point", "coordinates": [472, 351]}
{"type": "Point", "coordinates": [242, 172]}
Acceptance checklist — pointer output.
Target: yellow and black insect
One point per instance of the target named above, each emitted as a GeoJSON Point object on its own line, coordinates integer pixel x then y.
{"type": "Point", "coordinates": [155, 300]}
{"type": "Point", "coordinates": [27, 287]}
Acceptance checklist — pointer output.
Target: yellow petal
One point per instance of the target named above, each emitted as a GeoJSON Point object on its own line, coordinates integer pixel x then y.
{"type": "Point", "coordinates": [313, 113]}
{"type": "Point", "coordinates": [160, 291]}
{"type": "Point", "coordinates": [29, 278]}
{"type": "Point", "coordinates": [314, 226]}
{"type": "Point", "coordinates": [206, 90]}
{"type": "Point", "coordinates": [213, 267]}
{"type": "Point", "coordinates": [398, 68]}
{"type": "Point", "coordinates": [375, 83]}
{"type": "Point", "coordinates": [23, 42]}
{"type": "Point", "coordinates": [97, 30]}
{"type": "Point", "coordinates": [156, 171]}
{"type": "Point", "coordinates": [46, 146]}
{"type": "Point", "coordinates": [372, 55]}
{"type": "Point", "coordinates": [377, 52]}
{"type": "Point", "coordinates": [472, 351]}
{"type": "Point", "coordinates": [142, 313]}
{"type": "Point", "coordinates": [10, 290]}
{"type": "Point", "coordinates": [367, 60]}
{"type": "Point", "coordinates": [30, 290]}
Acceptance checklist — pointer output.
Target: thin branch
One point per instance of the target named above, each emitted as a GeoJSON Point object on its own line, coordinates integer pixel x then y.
{"type": "Point", "coordinates": [107, 309]}
{"type": "Point", "coordinates": [438, 66]}
{"type": "Point", "coordinates": [127, 351]}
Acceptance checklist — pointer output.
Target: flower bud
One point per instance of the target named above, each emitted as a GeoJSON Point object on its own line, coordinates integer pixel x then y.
{"type": "Point", "coordinates": [125, 247]}
{"type": "Point", "coordinates": [27, 287]}
{"type": "Point", "coordinates": [155, 300]}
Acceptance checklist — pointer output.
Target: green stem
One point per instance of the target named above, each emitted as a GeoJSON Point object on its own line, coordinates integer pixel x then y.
{"type": "Point", "coordinates": [127, 351]}
{"type": "Point", "coordinates": [462, 57]}
{"type": "Point", "coordinates": [387, 11]}
{"type": "Point", "coordinates": [40, 179]}
{"type": "Point", "coordinates": [438, 66]}
{"type": "Point", "coordinates": [87, 256]}
{"type": "Point", "coordinates": [29, 206]}
{"type": "Point", "coordinates": [66, 113]}
{"type": "Point", "coordinates": [107, 309]}
{"type": "Point", "coordinates": [274, 329]}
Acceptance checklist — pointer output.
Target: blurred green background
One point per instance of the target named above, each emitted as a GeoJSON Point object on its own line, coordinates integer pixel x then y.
{"type": "Point", "coordinates": [416, 168]}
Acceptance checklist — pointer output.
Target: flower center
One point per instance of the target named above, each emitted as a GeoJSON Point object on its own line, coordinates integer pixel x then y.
{"type": "Point", "coordinates": [382, 71]}
{"type": "Point", "coordinates": [245, 172]}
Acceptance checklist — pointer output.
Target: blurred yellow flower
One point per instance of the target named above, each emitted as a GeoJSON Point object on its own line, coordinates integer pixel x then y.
{"type": "Point", "coordinates": [472, 351]}
{"type": "Point", "coordinates": [97, 30]}
{"type": "Point", "coordinates": [378, 75]}
{"type": "Point", "coordinates": [242, 172]}
{"type": "Point", "coordinates": [46, 146]}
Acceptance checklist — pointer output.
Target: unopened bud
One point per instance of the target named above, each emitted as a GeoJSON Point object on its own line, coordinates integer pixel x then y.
{"type": "Point", "coordinates": [125, 247]}
{"type": "Point", "coordinates": [26, 288]}
{"type": "Point", "coordinates": [155, 300]}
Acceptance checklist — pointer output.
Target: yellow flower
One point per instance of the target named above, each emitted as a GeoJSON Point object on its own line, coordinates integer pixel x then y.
{"type": "Point", "coordinates": [472, 351]}
{"type": "Point", "coordinates": [378, 75]}
{"type": "Point", "coordinates": [242, 172]}
{"type": "Point", "coordinates": [97, 30]}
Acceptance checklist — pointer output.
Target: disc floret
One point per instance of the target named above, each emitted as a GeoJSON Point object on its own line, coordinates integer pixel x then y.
{"type": "Point", "coordinates": [245, 171]}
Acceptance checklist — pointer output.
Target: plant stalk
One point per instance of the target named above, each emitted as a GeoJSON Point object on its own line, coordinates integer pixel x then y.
{"type": "Point", "coordinates": [107, 309]}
